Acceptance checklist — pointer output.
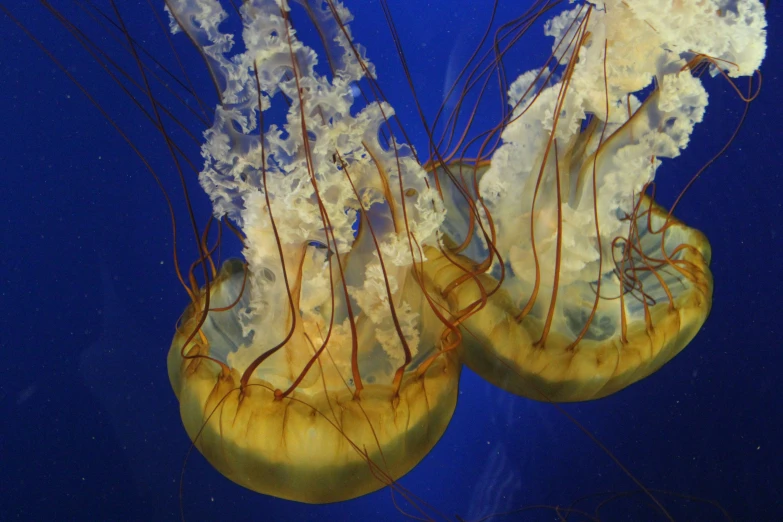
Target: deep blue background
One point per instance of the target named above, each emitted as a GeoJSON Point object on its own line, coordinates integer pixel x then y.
{"type": "Point", "coordinates": [90, 427]}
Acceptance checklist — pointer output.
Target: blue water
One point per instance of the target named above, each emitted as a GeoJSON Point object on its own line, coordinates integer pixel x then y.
{"type": "Point", "coordinates": [90, 427]}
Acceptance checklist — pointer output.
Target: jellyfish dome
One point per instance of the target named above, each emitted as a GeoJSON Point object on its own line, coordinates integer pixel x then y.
{"type": "Point", "coordinates": [572, 283]}
{"type": "Point", "coordinates": [317, 370]}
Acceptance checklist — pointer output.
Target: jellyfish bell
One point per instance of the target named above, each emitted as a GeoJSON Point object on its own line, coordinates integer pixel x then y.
{"type": "Point", "coordinates": [591, 351]}
{"type": "Point", "coordinates": [318, 370]}
{"type": "Point", "coordinates": [571, 283]}
{"type": "Point", "coordinates": [322, 442]}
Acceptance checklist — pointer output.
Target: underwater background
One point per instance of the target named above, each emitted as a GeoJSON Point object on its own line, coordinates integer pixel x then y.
{"type": "Point", "coordinates": [89, 299]}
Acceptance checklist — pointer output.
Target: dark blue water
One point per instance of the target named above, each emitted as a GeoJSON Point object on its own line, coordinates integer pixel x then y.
{"type": "Point", "coordinates": [90, 427]}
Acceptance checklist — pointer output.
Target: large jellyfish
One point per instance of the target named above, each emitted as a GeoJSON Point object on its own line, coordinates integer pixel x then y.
{"type": "Point", "coordinates": [569, 281]}
{"type": "Point", "coordinates": [326, 365]}
{"type": "Point", "coordinates": [321, 371]}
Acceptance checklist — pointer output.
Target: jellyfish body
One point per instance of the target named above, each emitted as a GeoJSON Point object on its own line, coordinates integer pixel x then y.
{"type": "Point", "coordinates": [318, 372]}
{"type": "Point", "coordinates": [569, 281]}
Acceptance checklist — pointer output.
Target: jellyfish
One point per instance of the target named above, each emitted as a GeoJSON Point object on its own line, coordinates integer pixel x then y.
{"type": "Point", "coordinates": [569, 281]}
{"type": "Point", "coordinates": [326, 364]}
{"type": "Point", "coordinates": [318, 369]}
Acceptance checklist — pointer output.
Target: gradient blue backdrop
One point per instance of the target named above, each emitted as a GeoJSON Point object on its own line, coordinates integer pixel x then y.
{"type": "Point", "coordinates": [90, 427]}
